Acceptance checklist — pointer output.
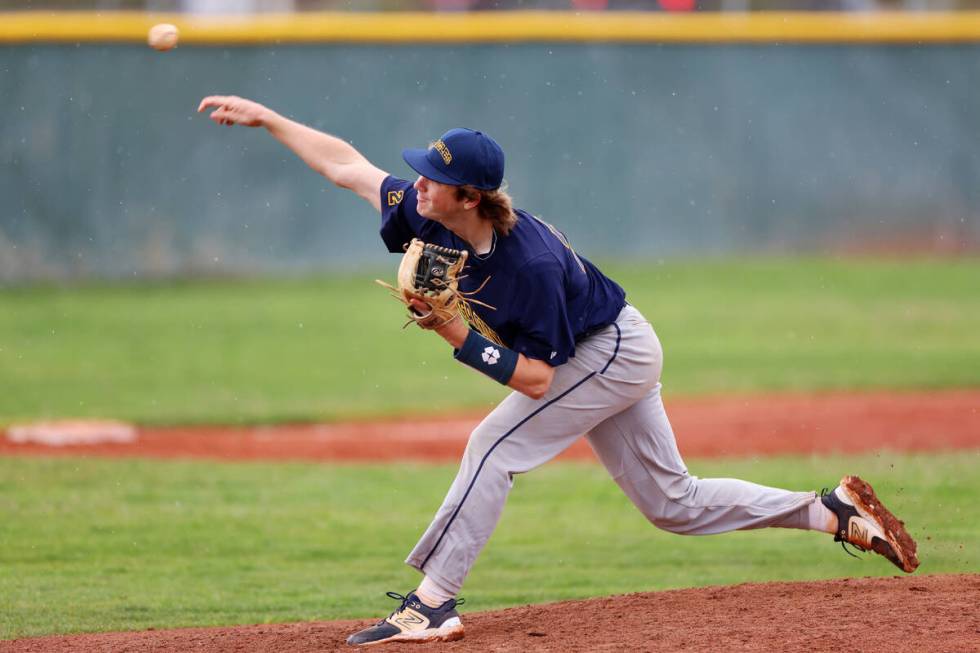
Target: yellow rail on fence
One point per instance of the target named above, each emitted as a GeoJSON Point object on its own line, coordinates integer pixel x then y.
{"type": "Point", "coordinates": [499, 27]}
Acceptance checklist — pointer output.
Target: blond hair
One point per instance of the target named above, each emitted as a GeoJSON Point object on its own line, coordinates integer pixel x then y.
{"type": "Point", "coordinates": [495, 205]}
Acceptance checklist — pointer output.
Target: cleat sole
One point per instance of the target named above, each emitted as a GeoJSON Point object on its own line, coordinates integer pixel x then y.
{"type": "Point", "coordinates": [445, 634]}
{"type": "Point", "coordinates": [900, 548]}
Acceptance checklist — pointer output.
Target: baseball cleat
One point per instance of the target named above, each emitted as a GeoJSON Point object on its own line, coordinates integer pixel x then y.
{"type": "Point", "coordinates": [413, 622]}
{"type": "Point", "coordinates": [863, 522]}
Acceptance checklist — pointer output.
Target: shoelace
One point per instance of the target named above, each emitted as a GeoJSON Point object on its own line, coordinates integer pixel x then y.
{"type": "Point", "coordinates": [397, 597]}
{"type": "Point", "coordinates": [405, 601]}
{"type": "Point", "coordinates": [837, 537]}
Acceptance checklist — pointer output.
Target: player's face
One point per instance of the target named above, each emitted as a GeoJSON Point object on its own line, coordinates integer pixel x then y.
{"type": "Point", "coordinates": [437, 201]}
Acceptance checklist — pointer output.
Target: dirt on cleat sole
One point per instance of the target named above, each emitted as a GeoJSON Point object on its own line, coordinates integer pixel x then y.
{"type": "Point", "coordinates": [450, 634]}
{"type": "Point", "coordinates": [900, 548]}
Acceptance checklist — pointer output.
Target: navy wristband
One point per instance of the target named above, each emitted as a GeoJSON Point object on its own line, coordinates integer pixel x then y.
{"type": "Point", "coordinates": [493, 360]}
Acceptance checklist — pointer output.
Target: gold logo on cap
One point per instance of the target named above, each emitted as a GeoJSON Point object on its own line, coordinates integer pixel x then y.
{"type": "Point", "coordinates": [441, 148]}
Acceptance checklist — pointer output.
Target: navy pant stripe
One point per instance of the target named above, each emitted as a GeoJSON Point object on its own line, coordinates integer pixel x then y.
{"type": "Point", "coordinates": [506, 435]}
{"type": "Point", "coordinates": [619, 336]}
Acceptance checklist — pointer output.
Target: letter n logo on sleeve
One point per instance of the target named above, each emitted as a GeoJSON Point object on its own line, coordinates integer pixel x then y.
{"type": "Point", "coordinates": [395, 196]}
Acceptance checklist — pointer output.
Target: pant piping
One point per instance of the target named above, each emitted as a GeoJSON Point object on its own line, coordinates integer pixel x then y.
{"type": "Point", "coordinates": [445, 529]}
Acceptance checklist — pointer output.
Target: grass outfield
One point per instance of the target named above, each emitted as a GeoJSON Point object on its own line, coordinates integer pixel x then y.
{"type": "Point", "coordinates": [322, 349]}
{"type": "Point", "coordinates": [97, 545]}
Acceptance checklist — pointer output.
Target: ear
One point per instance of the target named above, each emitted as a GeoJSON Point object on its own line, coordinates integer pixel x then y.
{"type": "Point", "coordinates": [472, 201]}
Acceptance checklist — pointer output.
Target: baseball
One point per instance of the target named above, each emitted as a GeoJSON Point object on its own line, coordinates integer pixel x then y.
{"type": "Point", "coordinates": [162, 37]}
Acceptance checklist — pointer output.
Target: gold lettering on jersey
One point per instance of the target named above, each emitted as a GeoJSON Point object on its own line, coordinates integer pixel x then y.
{"type": "Point", "coordinates": [443, 151]}
{"type": "Point", "coordinates": [477, 323]}
{"type": "Point", "coordinates": [564, 241]}
{"type": "Point", "coordinates": [395, 196]}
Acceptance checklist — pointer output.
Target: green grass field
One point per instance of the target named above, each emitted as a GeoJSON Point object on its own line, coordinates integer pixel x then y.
{"type": "Point", "coordinates": [95, 545]}
{"type": "Point", "coordinates": [328, 348]}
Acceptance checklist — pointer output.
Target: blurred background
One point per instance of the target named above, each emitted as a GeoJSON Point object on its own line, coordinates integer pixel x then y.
{"type": "Point", "coordinates": [641, 140]}
{"type": "Point", "coordinates": [234, 6]}
{"type": "Point", "coordinates": [789, 196]}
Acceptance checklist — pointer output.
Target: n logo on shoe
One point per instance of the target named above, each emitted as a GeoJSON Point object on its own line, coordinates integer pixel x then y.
{"type": "Point", "coordinates": [409, 620]}
{"type": "Point", "coordinates": [858, 535]}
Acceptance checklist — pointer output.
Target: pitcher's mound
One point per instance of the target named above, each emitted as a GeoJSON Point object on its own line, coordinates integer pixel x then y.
{"type": "Point", "coordinates": [869, 615]}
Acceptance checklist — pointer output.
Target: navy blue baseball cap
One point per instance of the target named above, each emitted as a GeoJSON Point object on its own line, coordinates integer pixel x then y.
{"type": "Point", "coordinates": [462, 157]}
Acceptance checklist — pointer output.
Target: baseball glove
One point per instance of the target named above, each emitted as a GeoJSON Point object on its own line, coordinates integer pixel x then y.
{"type": "Point", "coordinates": [430, 274]}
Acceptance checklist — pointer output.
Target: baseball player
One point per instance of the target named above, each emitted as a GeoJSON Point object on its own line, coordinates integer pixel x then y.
{"type": "Point", "coordinates": [581, 361]}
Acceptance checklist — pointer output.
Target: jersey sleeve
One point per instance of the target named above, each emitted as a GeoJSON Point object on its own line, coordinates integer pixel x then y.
{"type": "Point", "coordinates": [544, 331]}
{"type": "Point", "coordinates": [400, 222]}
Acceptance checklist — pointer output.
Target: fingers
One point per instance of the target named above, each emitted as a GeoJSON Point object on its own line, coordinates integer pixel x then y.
{"type": "Point", "coordinates": [222, 117]}
{"type": "Point", "coordinates": [212, 101]}
{"type": "Point", "coordinates": [224, 112]}
{"type": "Point", "coordinates": [419, 306]}
{"type": "Point", "coordinates": [421, 312]}
{"type": "Point", "coordinates": [233, 110]}
{"type": "Point", "coordinates": [224, 108]}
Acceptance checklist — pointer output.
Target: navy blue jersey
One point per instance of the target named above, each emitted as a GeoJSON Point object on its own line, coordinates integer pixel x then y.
{"type": "Point", "coordinates": [545, 296]}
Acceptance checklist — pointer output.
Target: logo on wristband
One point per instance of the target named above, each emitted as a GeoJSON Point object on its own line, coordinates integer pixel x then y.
{"type": "Point", "coordinates": [491, 356]}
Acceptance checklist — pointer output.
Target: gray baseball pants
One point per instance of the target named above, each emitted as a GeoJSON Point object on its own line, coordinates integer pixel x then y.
{"type": "Point", "coordinates": [609, 392]}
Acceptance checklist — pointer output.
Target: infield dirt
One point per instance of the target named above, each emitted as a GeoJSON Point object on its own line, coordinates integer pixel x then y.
{"type": "Point", "coordinates": [869, 615]}
{"type": "Point", "coordinates": [910, 613]}
{"type": "Point", "coordinates": [748, 425]}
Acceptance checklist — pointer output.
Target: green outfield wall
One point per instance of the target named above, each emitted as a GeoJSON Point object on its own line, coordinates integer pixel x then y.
{"type": "Point", "coordinates": [636, 147]}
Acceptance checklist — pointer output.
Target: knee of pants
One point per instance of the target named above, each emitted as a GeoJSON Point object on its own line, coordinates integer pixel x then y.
{"type": "Point", "coordinates": [483, 452]}
{"type": "Point", "coordinates": [487, 457]}
{"type": "Point", "coordinates": [672, 510]}
{"type": "Point", "coordinates": [481, 439]}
